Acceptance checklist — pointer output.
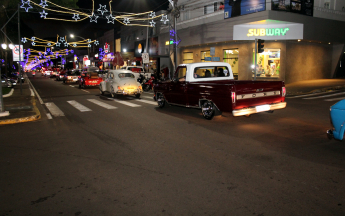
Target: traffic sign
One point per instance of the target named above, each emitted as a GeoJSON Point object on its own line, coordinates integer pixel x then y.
{"type": "Point", "coordinates": [145, 57]}
{"type": "Point", "coordinates": [15, 53]}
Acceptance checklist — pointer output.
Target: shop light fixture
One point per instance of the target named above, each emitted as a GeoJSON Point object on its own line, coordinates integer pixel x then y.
{"type": "Point", "coordinates": [124, 50]}
{"type": "Point", "coordinates": [298, 40]}
{"type": "Point", "coordinates": [329, 43]}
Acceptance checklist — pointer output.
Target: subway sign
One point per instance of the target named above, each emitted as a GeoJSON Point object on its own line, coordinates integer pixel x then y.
{"type": "Point", "coordinates": [268, 30]}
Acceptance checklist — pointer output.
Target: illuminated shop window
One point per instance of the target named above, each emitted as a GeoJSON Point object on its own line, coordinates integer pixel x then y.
{"type": "Point", "coordinates": [187, 57]}
{"type": "Point", "coordinates": [268, 63]}
{"type": "Point", "coordinates": [205, 54]}
{"type": "Point", "coordinates": [231, 56]}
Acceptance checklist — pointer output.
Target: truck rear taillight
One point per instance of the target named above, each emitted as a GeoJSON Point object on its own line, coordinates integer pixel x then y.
{"type": "Point", "coordinates": [283, 91]}
{"type": "Point", "coordinates": [233, 97]}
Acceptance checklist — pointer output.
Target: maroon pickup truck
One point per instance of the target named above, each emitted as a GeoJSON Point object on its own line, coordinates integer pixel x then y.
{"type": "Point", "coordinates": [211, 87]}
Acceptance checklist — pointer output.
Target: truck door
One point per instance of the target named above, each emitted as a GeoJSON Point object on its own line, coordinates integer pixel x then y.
{"type": "Point", "coordinates": [177, 87]}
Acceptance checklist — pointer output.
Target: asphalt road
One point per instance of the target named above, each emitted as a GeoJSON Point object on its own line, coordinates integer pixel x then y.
{"type": "Point", "coordinates": [141, 160]}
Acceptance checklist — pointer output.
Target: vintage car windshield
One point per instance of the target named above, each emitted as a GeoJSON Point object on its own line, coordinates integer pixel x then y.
{"type": "Point", "coordinates": [211, 72]}
{"type": "Point", "coordinates": [126, 75]}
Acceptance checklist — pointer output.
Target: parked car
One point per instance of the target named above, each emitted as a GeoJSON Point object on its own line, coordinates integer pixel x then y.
{"type": "Point", "coordinates": [120, 82]}
{"type": "Point", "coordinates": [89, 79]}
{"type": "Point", "coordinates": [211, 87]}
{"type": "Point", "coordinates": [15, 75]}
{"type": "Point", "coordinates": [8, 81]}
{"type": "Point", "coordinates": [137, 70]}
{"type": "Point", "coordinates": [337, 113]}
{"type": "Point", "coordinates": [71, 76]}
{"type": "Point", "coordinates": [54, 74]}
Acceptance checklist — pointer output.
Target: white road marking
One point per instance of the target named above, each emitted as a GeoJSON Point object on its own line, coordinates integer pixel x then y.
{"type": "Point", "coordinates": [32, 93]}
{"type": "Point", "coordinates": [147, 97]}
{"type": "Point", "coordinates": [102, 104]}
{"type": "Point", "coordinates": [54, 110]}
{"type": "Point", "coordinates": [149, 93]}
{"type": "Point", "coordinates": [49, 116]}
{"type": "Point", "coordinates": [85, 91]}
{"type": "Point", "coordinates": [324, 96]}
{"type": "Point", "coordinates": [313, 94]}
{"type": "Point", "coordinates": [125, 102]}
{"type": "Point", "coordinates": [79, 106]}
{"type": "Point", "coordinates": [146, 101]}
{"type": "Point", "coordinates": [71, 86]}
{"type": "Point", "coordinates": [335, 99]}
{"type": "Point", "coordinates": [38, 96]}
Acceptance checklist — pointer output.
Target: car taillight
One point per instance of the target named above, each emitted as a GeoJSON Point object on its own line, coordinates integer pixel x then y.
{"type": "Point", "coordinates": [119, 88]}
{"type": "Point", "coordinates": [283, 91]}
{"type": "Point", "coordinates": [69, 77]}
{"type": "Point", "coordinates": [233, 97]}
{"type": "Point", "coordinates": [79, 77]}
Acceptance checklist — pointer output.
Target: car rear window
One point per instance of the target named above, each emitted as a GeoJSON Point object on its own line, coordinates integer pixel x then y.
{"type": "Point", "coordinates": [211, 72]}
{"type": "Point", "coordinates": [126, 75]}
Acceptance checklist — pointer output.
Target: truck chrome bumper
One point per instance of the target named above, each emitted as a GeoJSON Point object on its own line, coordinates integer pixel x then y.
{"type": "Point", "coordinates": [257, 109]}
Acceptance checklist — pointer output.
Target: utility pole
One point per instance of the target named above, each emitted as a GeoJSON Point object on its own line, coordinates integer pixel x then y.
{"type": "Point", "coordinates": [20, 71]}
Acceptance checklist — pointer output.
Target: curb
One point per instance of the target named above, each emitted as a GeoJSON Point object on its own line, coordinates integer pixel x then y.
{"type": "Point", "coordinates": [35, 117]}
{"type": "Point", "coordinates": [316, 90]}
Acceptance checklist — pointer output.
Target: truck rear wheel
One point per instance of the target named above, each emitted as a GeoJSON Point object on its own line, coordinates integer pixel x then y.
{"type": "Point", "coordinates": [208, 110]}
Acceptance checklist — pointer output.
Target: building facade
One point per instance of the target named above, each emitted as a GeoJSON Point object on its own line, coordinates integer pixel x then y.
{"type": "Point", "coordinates": [211, 29]}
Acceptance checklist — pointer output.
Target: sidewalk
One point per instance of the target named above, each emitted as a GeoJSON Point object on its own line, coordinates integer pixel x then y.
{"type": "Point", "coordinates": [21, 107]}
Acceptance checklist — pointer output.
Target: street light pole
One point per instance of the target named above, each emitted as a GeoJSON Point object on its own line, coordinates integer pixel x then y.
{"type": "Point", "coordinates": [88, 48]}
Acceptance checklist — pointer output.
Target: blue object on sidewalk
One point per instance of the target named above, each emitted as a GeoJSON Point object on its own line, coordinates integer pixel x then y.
{"type": "Point", "coordinates": [337, 112]}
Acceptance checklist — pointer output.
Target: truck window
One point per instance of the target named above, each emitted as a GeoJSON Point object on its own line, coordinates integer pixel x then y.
{"type": "Point", "coordinates": [181, 73]}
{"type": "Point", "coordinates": [211, 72]}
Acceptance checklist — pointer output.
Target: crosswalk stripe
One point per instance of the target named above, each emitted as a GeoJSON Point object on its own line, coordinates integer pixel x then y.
{"type": "Point", "coordinates": [125, 102]}
{"type": "Point", "coordinates": [85, 91]}
{"type": "Point", "coordinates": [335, 99]}
{"type": "Point", "coordinates": [147, 97]}
{"type": "Point", "coordinates": [146, 101]}
{"type": "Point", "coordinates": [102, 104]}
{"type": "Point", "coordinates": [313, 94]}
{"type": "Point", "coordinates": [79, 106]}
{"type": "Point", "coordinates": [54, 110]}
{"type": "Point", "coordinates": [324, 96]}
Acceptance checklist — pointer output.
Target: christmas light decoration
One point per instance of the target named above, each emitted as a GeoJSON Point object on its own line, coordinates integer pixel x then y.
{"type": "Point", "coordinates": [33, 38]}
{"type": "Point", "coordinates": [33, 43]}
{"type": "Point", "coordinates": [96, 43]}
{"type": "Point", "coordinates": [126, 21]}
{"type": "Point", "coordinates": [57, 44]}
{"type": "Point", "coordinates": [24, 40]}
{"type": "Point", "coordinates": [43, 14]}
{"type": "Point", "coordinates": [93, 18]}
{"type": "Point", "coordinates": [152, 14]}
{"type": "Point", "coordinates": [111, 19]}
{"type": "Point", "coordinates": [66, 44]}
{"type": "Point", "coordinates": [152, 23]}
{"type": "Point", "coordinates": [74, 45]}
{"type": "Point", "coordinates": [102, 9]}
{"type": "Point", "coordinates": [165, 19]}
{"type": "Point", "coordinates": [49, 44]}
{"type": "Point", "coordinates": [62, 39]}
{"type": "Point", "coordinates": [43, 3]}
{"type": "Point", "coordinates": [75, 17]}
{"type": "Point", "coordinates": [28, 5]}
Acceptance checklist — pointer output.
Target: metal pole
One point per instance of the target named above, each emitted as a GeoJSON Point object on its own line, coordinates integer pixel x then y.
{"type": "Point", "coordinates": [20, 71]}
{"type": "Point", "coordinates": [175, 31]}
{"type": "Point", "coordinates": [147, 43]}
{"type": "Point", "coordinates": [2, 107]}
{"type": "Point", "coordinates": [256, 51]}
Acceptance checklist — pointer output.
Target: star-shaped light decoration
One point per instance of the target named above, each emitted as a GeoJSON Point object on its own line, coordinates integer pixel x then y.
{"type": "Point", "coordinates": [28, 5]}
{"type": "Point", "coordinates": [96, 43]}
{"type": "Point", "coordinates": [152, 23]}
{"type": "Point", "coordinates": [74, 45]}
{"type": "Point", "coordinates": [71, 51]}
{"type": "Point", "coordinates": [48, 49]}
{"type": "Point", "coordinates": [165, 19]}
{"type": "Point", "coordinates": [33, 43]}
{"type": "Point", "coordinates": [49, 44]}
{"type": "Point", "coordinates": [43, 3]}
{"type": "Point", "coordinates": [33, 38]}
{"type": "Point", "coordinates": [111, 19]}
{"type": "Point", "coordinates": [24, 40]}
{"type": "Point", "coordinates": [102, 9]}
{"type": "Point", "coordinates": [43, 14]}
{"type": "Point", "coordinates": [89, 45]}
{"type": "Point", "coordinates": [62, 39]}
{"type": "Point", "coordinates": [75, 17]}
{"type": "Point", "coordinates": [93, 18]}
{"type": "Point", "coordinates": [66, 44]}
{"type": "Point", "coordinates": [126, 21]}
{"type": "Point", "coordinates": [89, 40]}
{"type": "Point", "coordinates": [58, 44]}
{"type": "Point", "coordinates": [153, 14]}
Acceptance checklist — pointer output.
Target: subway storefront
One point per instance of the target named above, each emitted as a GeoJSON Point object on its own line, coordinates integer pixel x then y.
{"type": "Point", "coordinates": [286, 56]}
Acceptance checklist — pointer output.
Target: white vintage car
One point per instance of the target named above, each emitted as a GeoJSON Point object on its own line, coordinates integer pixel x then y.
{"type": "Point", "coordinates": [120, 82]}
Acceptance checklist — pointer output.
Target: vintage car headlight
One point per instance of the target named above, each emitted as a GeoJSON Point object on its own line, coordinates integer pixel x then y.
{"type": "Point", "coordinates": [119, 88]}
{"type": "Point", "coordinates": [139, 87]}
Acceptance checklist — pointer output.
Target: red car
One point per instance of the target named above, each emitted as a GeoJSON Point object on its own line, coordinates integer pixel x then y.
{"type": "Point", "coordinates": [89, 79]}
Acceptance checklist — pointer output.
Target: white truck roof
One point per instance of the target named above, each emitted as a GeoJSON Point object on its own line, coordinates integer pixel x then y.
{"type": "Point", "coordinates": [192, 66]}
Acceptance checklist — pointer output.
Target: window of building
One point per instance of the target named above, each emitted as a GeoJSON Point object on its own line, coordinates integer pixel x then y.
{"type": "Point", "coordinates": [205, 54]}
{"type": "Point", "coordinates": [186, 15]}
{"type": "Point", "coordinates": [231, 56]}
{"type": "Point", "coordinates": [187, 57]}
{"type": "Point", "coordinates": [326, 4]}
{"type": "Point", "coordinates": [268, 63]}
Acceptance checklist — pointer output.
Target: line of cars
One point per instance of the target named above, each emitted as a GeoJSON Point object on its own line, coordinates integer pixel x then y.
{"type": "Point", "coordinates": [11, 80]}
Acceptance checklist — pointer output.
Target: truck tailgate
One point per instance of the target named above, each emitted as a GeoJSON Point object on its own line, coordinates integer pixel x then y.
{"type": "Point", "coordinates": [254, 93]}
